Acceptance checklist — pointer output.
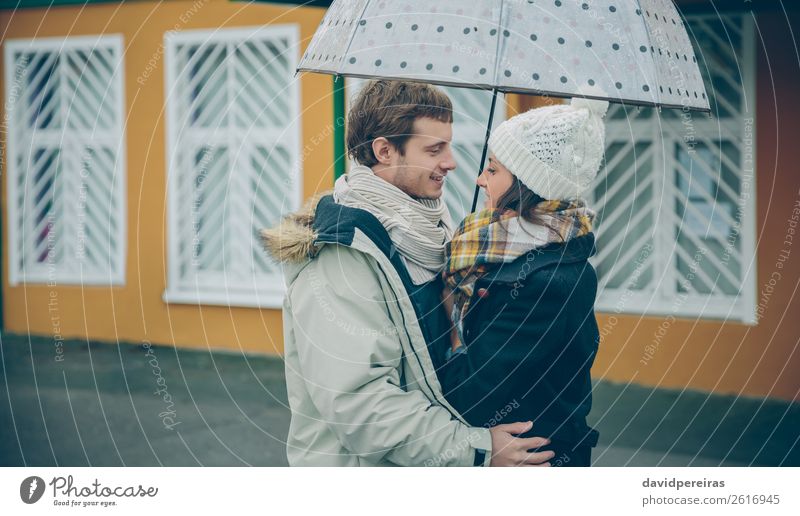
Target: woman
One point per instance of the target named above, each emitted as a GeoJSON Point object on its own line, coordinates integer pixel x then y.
{"type": "Point", "coordinates": [525, 334]}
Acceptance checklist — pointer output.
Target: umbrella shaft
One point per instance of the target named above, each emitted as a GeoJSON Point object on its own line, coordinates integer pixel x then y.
{"type": "Point", "coordinates": [485, 147]}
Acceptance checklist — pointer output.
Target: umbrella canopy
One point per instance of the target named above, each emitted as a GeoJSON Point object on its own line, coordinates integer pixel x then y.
{"type": "Point", "coordinates": [632, 51]}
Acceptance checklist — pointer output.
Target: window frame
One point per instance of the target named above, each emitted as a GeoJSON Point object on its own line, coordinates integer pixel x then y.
{"type": "Point", "coordinates": [218, 290]}
{"type": "Point", "coordinates": [18, 273]}
{"type": "Point", "coordinates": [661, 299]}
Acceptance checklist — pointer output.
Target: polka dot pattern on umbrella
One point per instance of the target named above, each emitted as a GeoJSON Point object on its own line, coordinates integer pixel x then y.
{"type": "Point", "coordinates": [635, 53]}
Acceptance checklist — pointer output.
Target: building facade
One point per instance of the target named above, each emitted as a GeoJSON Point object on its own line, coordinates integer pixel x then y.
{"type": "Point", "coordinates": [145, 144]}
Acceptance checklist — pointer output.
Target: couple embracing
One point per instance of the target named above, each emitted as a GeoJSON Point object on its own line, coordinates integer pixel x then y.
{"type": "Point", "coordinates": [411, 341]}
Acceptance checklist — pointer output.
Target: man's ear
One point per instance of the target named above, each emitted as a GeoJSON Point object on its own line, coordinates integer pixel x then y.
{"type": "Point", "coordinates": [383, 150]}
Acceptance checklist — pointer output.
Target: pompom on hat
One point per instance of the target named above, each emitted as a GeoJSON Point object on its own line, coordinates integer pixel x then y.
{"type": "Point", "coordinates": [555, 151]}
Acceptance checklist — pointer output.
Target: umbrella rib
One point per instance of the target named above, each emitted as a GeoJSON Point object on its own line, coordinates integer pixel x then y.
{"type": "Point", "coordinates": [352, 37]}
{"type": "Point", "coordinates": [495, 81]}
{"type": "Point", "coordinates": [656, 77]}
{"type": "Point", "coordinates": [495, 84]}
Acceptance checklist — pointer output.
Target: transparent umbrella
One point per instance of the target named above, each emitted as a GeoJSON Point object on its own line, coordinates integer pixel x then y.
{"type": "Point", "coordinates": [635, 52]}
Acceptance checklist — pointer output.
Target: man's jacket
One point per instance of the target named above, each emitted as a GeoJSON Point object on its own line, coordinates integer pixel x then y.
{"type": "Point", "coordinates": [362, 386]}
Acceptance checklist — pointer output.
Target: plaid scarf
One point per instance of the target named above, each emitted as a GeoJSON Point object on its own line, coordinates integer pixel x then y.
{"type": "Point", "coordinates": [488, 238]}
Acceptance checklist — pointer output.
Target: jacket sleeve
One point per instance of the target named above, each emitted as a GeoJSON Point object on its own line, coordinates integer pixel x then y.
{"type": "Point", "coordinates": [351, 360]}
{"type": "Point", "coordinates": [507, 333]}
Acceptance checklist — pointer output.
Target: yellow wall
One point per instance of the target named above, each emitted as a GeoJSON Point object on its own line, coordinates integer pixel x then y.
{"type": "Point", "coordinates": [136, 311]}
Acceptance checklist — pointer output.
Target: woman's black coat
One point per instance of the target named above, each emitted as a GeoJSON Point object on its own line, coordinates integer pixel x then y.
{"type": "Point", "coordinates": [531, 337]}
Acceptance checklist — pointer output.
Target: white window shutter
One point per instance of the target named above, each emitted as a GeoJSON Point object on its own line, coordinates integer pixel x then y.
{"type": "Point", "coordinates": [676, 198]}
{"type": "Point", "coordinates": [234, 161]}
{"type": "Point", "coordinates": [67, 183]}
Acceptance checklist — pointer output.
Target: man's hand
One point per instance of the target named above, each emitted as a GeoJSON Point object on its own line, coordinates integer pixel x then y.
{"type": "Point", "coordinates": [508, 450]}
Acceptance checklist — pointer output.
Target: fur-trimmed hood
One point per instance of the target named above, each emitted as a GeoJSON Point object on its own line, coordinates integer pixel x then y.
{"type": "Point", "coordinates": [301, 235]}
{"type": "Point", "coordinates": [293, 240]}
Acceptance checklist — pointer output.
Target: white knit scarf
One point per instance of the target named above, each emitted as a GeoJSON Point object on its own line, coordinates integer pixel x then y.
{"type": "Point", "coordinates": [419, 228]}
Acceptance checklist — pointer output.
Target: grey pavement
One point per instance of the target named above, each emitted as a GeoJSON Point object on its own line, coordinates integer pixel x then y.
{"type": "Point", "coordinates": [113, 405]}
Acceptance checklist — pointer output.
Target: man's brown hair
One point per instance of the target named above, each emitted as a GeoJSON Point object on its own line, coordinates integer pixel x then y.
{"type": "Point", "coordinates": [388, 109]}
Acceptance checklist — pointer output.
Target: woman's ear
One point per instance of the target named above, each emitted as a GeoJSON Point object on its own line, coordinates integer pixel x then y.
{"type": "Point", "coordinates": [382, 149]}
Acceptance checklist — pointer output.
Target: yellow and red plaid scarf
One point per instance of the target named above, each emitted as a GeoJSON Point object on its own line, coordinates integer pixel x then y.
{"type": "Point", "coordinates": [488, 238]}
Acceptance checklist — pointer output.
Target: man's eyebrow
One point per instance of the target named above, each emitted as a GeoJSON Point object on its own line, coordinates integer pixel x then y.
{"type": "Point", "coordinates": [440, 142]}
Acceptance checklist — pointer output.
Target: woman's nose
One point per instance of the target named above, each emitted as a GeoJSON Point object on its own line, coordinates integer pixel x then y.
{"type": "Point", "coordinates": [481, 181]}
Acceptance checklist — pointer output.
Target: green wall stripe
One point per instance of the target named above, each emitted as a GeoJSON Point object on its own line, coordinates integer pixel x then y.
{"type": "Point", "coordinates": [339, 152]}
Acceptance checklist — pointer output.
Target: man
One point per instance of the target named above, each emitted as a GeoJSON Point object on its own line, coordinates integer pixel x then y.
{"type": "Point", "coordinates": [362, 311]}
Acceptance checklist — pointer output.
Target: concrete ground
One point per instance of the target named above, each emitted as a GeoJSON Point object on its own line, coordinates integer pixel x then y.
{"type": "Point", "coordinates": [112, 405]}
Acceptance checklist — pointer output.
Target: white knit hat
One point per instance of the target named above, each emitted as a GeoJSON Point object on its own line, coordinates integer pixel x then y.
{"type": "Point", "coordinates": [555, 150]}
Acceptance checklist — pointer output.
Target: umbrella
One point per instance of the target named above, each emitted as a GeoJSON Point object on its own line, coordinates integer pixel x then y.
{"type": "Point", "coordinates": [634, 52]}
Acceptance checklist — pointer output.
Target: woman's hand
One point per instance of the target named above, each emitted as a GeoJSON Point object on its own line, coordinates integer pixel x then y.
{"type": "Point", "coordinates": [455, 342]}
{"type": "Point", "coordinates": [447, 302]}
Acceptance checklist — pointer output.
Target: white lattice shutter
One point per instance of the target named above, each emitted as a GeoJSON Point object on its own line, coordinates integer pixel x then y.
{"type": "Point", "coordinates": [675, 201]}
{"type": "Point", "coordinates": [234, 169]}
{"type": "Point", "coordinates": [66, 181]}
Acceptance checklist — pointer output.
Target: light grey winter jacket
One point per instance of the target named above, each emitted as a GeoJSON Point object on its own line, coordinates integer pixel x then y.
{"type": "Point", "coordinates": [361, 384]}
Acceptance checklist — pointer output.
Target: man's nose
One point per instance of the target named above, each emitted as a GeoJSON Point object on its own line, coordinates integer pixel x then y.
{"type": "Point", "coordinates": [449, 163]}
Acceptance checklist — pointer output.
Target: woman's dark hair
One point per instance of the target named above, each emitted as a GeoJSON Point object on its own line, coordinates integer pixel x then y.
{"type": "Point", "coordinates": [521, 199]}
